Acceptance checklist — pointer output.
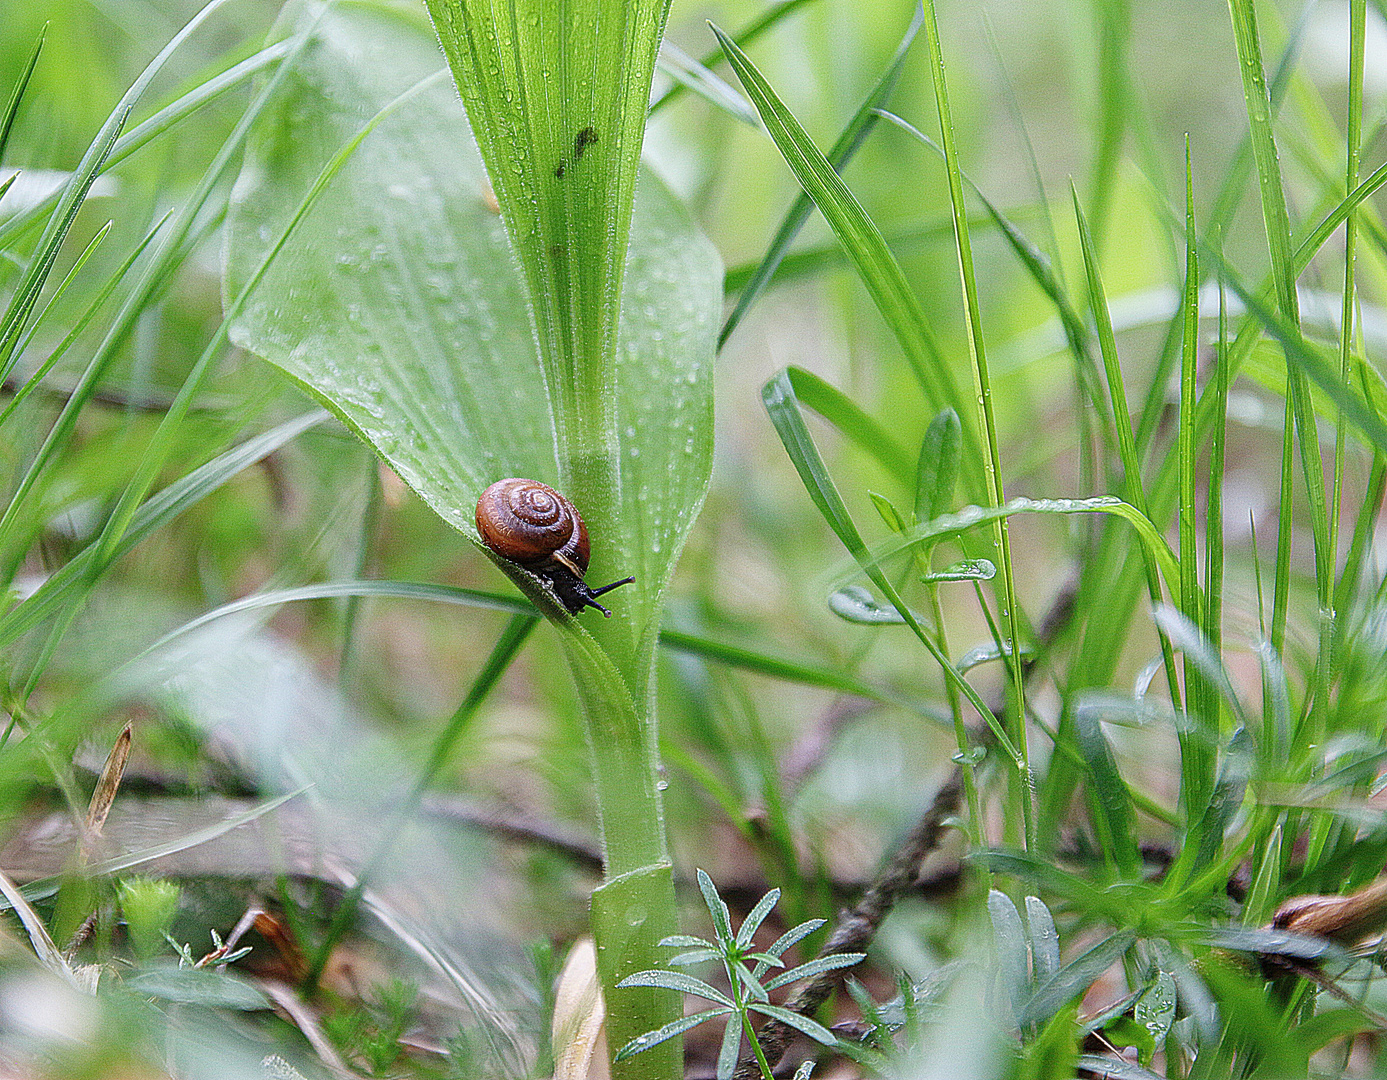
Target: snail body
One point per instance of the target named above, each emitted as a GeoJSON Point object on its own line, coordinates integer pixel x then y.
{"type": "Point", "coordinates": [533, 526]}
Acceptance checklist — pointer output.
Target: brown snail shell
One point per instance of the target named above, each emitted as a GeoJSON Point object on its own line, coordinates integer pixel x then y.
{"type": "Point", "coordinates": [535, 527]}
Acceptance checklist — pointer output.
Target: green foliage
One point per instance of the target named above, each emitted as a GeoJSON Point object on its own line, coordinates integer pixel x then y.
{"type": "Point", "coordinates": [747, 983]}
{"type": "Point", "coordinates": [1183, 728]}
{"type": "Point", "coordinates": [149, 906]}
{"type": "Point", "coordinates": [371, 1032]}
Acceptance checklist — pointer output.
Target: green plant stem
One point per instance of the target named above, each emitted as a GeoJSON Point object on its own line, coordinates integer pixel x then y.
{"type": "Point", "coordinates": [992, 465]}
{"type": "Point", "coordinates": [750, 1030]}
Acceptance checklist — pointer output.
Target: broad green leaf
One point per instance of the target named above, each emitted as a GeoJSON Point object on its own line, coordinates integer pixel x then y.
{"type": "Point", "coordinates": [399, 303]}
{"type": "Point", "coordinates": [557, 95]}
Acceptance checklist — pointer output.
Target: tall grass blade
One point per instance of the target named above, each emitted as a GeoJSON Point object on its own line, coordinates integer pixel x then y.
{"type": "Point", "coordinates": [842, 151]}
{"type": "Point", "coordinates": [1196, 760]}
{"type": "Point", "coordinates": [783, 407]}
{"type": "Point", "coordinates": [862, 241]}
{"type": "Point", "coordinates": [1278, 232]}
{"type": "Point", "coordinates": [982, 386]}
{"type": "Point", "coordinates": [17, 94]}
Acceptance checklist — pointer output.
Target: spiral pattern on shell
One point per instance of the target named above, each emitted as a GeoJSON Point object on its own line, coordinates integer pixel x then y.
{"type": "Point", "coordinates": [532, 524]}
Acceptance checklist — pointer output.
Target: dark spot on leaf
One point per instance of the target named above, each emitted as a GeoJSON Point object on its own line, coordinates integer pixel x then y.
{"type": "Point", "coordinates": [559, 170]}
{"type": "Point", "coordinates": [582, 141]}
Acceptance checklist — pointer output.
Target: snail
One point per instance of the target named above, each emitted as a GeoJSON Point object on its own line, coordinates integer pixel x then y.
{"type": "Point", "coordinates": [533, 526]}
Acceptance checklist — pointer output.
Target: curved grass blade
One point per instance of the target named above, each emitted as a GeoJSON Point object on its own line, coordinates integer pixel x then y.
{"type": "Point", "coordinates": [17, 94]}
{"type": "Point", "coordinates": [30, 284]}
{"type": "Point", "coordinates": [158, 124]}
{"type": "Point", "coordinates": [861, 239]}
{"type": "Point", "coordinates": [75, 191]}
{"type": "Point", "coordinates": [970, 517]}
{"type": "Point", "coordinates": [850, 419]}
{"type": "Point", "coordinates": [692, 75]}
{"type": "Point", "coordinates": [769, 18]}
{"type": "Point", "coordinates": [158, 511]}
{"type": "Point", "coordinates": [842, 151]}
{"type": "Point", "coordinates": [783, 407]}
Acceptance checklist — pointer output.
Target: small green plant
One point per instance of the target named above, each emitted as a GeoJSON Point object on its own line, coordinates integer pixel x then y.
{"type": "Point", "coordinates": [749, 993]}
{"type": "Point", "coordinates": [149, 906]}
{"type": "Point", "coordinates": [371, 1031]}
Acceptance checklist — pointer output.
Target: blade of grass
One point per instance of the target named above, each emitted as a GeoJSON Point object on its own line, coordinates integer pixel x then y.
{"type": "Point", "coordinates": [1113, 819]}
{"type": "Point", "coordinates": [1133, 491]}
{"type": "Point", "coordinates": [33, 381]}
{"type": "Point", "coordinates": [784, 409]}
{"type": "Point", "coordinates": [861, 239]}
{"type": "Point", "coordinates": [970, 517]}
{"type": "Point", "coordinates": [1353, 139]}
{"type": "Point", "coordinates": [1197, 760]}
{"type": "Point", "coordinates": [169, 254]}
{"type": "Point", "coordinates": [175, 247]}
{"type": "Point", "coordinates": [159, 123]}
{"type": "Point", "coordinates": [75, 191]}
{"type": "Point", "coordinates": [842, 151]}
{"type": "Point", "coordinates": [1036, 263]}
{"type": "Point", "coordinates": [1278, 232]}
{"type": "Point", "coordinates": [57, 589]}
{"type": "Point", "coordinates": [678, 641]}
{"type": "Point", "coordinates": [17, 94]}
{"type": "Point", "coordinates": [849, 418]}
{"type": "Point", "coordinates": [769, 18]}
{"type": "Point", "coordinates": [982, 385]}
{"type": "Point", "coordinates": [690, 74]}
{"type": "Point", "coordinates": [36, 273]}
{"type": "Point", "coordinates": [46, 887]}
{"type": "Point", "coordinates": [1114, 31]}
